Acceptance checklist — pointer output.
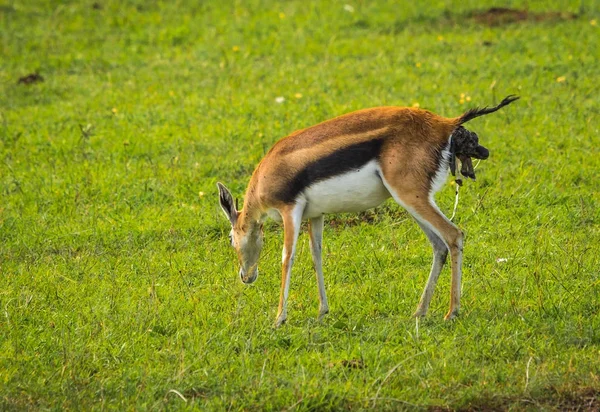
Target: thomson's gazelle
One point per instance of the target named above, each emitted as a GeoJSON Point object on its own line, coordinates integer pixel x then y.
{"type": "Point", "coordinates": [349, 164]}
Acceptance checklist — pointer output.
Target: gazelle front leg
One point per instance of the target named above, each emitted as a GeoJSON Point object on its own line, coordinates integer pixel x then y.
{"type": "Point", "coordinates": [440, 253]}
{"type": "Point", "coordinates": [316, 244]}
{"type": "Point", "coordinates": [292, 218]}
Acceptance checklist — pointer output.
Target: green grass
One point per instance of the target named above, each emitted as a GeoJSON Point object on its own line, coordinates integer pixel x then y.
{"type": "Point", "coordinates": [117, 285]}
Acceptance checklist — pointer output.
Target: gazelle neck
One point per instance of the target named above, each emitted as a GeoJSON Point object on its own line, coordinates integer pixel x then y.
{"type": "Point", "coordinates": [251, 213]}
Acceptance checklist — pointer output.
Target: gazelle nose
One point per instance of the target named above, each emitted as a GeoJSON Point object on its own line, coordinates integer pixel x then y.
{"type": "Point", "coordinates": [482, 152]}
{"type": "Point", "coordinates": [248, 279]}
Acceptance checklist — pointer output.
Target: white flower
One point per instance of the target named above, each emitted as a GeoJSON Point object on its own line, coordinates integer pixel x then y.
{"type": "Point", "coordinates": [501, 260]}
{"type": "Point", "coordinates": [280, 99]}
{"type": "Point", "coordinates": [348, 8]}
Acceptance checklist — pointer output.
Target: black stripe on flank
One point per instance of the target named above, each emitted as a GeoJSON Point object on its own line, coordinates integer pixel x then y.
{"type": "Point", "coordinates": [337, 163]}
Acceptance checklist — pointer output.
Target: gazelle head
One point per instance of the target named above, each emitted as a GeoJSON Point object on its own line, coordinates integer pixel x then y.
{"type": "Point", "coordinates": [467, 147]}
{"type": "Point", "coordinates": [246, 236]}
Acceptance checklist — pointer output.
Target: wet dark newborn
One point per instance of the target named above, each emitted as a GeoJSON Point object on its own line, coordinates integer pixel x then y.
{"type": "Point", "coordinates": [466, 146]}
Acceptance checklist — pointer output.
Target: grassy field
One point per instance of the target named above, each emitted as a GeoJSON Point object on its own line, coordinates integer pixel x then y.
{"type": "Point", "coordinates": [118, 289]}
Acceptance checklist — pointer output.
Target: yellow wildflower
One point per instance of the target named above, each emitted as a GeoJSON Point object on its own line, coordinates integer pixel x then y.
{"type": "Point", "coordinates": [561, 79]}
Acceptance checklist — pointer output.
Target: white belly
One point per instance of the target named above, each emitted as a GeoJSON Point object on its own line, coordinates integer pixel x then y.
{"type": "Point", "coordinates": [353, 191]}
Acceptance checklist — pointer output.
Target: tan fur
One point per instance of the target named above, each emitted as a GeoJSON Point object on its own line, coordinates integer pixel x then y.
{"type": "Point", "coordinates": [410, 135]}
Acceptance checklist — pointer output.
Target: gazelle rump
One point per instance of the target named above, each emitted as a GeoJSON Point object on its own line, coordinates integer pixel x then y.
{"type": "Point", "coordinates": [349, 164]}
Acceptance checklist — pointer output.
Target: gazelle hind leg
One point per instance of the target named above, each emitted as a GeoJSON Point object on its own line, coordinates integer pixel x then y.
{"type": "Point", "coordinates": [440, 253]}
{"type": "Point", "coordinates": [316, 242]}
{"type": "Point", "coordinates": [292, 218]}
{"type": "Point", "coordinates": [429, 215]}
{"type": "Point", "coordinates": [426, 212]}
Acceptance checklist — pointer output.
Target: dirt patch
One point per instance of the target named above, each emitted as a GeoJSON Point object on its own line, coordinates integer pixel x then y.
{"type": "Point", "coordinates": [587, 399]}
{"type": "Point", "coordinates": [581, 400]}
{"type": "Point", "coordinates": [31, 79]}
{"type": "Point", "coordinates": [499, 16]}
{"type": "Point", "coordinates": [491, 17]}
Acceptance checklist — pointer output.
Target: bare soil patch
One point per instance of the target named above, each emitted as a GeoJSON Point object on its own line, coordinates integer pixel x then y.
{"type": "Point", "coordinates": [31, 79]}
{"type": "Point", "coordinates": [580, 400]}
{"type": "Point", "coordinates": [499, 16]}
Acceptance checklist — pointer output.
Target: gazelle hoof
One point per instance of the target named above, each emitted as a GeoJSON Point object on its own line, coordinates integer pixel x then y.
{"type": "Point", "coordinates": [322, 314]}
{"type": "Point", "coordinates": [451, 315]}
{"type": "Point", "coordinates": [419, 313]}
{"type": "Point", "coordinates": [279, 321]}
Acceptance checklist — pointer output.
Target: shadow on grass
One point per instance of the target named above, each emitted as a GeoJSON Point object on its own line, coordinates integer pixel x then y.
{"type": "Point", "coordinates": [382, 213]}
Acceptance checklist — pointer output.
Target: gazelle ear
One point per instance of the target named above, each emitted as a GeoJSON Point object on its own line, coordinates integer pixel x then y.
{"type": "Point", "coordinates": [226, 201]}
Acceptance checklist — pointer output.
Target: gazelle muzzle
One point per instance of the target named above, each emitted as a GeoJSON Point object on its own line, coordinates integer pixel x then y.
{"type": "Point", "coordinates": [249, 279]}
